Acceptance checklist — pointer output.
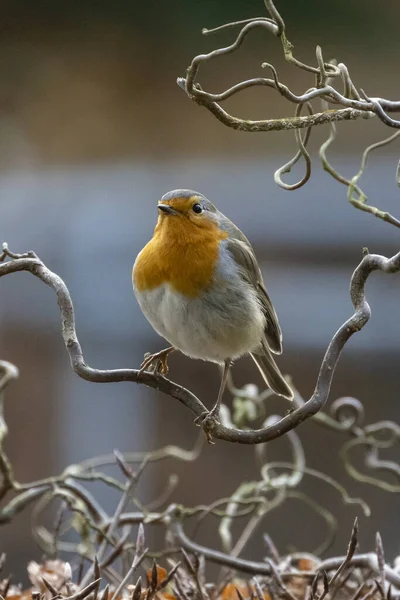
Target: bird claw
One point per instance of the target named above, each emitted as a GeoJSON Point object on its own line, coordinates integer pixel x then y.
{"type": "Point", "coordinates": [200, 418]}
{"type": "Point", "coordinates": [207, 421]}
{"type": "Point", "coordinates": [158, 361]}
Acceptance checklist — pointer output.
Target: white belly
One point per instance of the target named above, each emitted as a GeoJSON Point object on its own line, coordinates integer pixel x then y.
{"type": "Point", "coordinates": [225, 324]}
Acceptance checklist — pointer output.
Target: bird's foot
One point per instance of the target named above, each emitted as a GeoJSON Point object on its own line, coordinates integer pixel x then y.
{"type": "Point", "coordinates": [207, 420]}
{"type": "Point", "coordinates": [158, 361]}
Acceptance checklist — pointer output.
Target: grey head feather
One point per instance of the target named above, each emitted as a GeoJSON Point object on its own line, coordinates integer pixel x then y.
{"type": "Point", "coordinates": [179, 194]}
{"type": "Point", "coordinates": [206, 204]}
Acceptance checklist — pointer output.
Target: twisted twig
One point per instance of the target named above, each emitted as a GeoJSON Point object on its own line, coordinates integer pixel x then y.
{"type": "Point", "coordinates": [371, 262]}
{"type": "Point", "coordinates": [349, 103]}
{"type": "Point", "coordinates": [353, 103]}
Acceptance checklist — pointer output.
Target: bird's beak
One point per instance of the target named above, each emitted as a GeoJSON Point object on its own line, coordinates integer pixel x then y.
{"type": "Point", "coordinates": [167, 209]}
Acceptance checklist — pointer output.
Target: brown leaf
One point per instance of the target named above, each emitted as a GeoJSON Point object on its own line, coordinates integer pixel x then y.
{"type": "Point", "coordinates": [161, 575]}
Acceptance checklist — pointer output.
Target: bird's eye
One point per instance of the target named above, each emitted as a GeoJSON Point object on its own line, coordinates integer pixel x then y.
{"type": "Point", "coordinates": [197, 208]}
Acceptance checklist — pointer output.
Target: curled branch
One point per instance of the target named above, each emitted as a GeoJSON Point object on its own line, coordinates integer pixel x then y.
{"type": "Point", "coordinates": [348, 104]}
{"type": "Point", "coordinates": [361, 315]}
{"type": "Point", "coordinates": [353, 103]}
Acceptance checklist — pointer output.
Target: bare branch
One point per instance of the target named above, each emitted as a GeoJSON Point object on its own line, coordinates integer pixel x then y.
{"type": "Point", "coordinates": [347, 416]}
{"type": "Point", "coordinates": [349, 104]}
{"type": "Point", "coordinates": [361, 315]}
{"type": "Point", "coordinates": [8, 372]}
{"type": "Point", "coordinates": [353, 106]}
{"type": "Point", "coordinates": [246, 566]}
{"type": "Point", "coordinates": [366, 561]}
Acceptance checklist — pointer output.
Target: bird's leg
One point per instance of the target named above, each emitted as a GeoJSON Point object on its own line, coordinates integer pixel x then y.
{"type": "Point", "coordinates": [207, 417]}
{"type": "Point", "coordinates": [214, 412]}
{"type": "Point", "coordinates": [157, 357]}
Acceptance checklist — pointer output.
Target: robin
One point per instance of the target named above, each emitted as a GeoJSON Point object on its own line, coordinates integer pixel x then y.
{"type": "Point", "coordinates": [199, 285]}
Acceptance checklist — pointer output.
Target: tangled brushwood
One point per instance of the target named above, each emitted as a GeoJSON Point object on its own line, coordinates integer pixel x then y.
{"type": "Point", "coordinates": [107, 554]}
{"type": "Point", "coordinates": [336, 105]}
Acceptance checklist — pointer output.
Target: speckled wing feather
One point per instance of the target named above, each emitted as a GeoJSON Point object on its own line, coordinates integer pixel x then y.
{"type": "Point", "coordinates": [241, 250]}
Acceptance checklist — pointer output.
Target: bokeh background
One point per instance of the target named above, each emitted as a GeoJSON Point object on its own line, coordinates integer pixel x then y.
{"type": "Point", "coordinates": [93, 131]}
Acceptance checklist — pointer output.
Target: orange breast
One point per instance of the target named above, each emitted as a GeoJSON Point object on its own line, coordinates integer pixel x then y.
{"type": "Point", "coordinates": [181, 254]}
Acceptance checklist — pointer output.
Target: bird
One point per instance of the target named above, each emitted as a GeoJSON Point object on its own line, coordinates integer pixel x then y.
{"type": "Point", "coordinates": [198, 283]}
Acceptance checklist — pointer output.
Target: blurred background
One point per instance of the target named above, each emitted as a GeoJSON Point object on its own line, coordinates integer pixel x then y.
{"type": "Point", "coordinates": [93, 131]}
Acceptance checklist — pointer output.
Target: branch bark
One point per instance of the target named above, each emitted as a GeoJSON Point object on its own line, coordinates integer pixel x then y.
{"type": "Point", "coordinates": [371, 262]}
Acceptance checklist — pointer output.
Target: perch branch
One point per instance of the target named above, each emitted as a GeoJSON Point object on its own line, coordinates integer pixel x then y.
{"type": "Point", "coordinates": [371, 262]}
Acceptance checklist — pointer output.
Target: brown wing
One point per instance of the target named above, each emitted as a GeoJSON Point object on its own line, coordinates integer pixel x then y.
{"type": "Point", "coordinates": [244, 256]}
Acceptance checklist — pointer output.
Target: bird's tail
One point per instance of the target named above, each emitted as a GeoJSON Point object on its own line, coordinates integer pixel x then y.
{"type": "Point", "coordinates": [271, 374]}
